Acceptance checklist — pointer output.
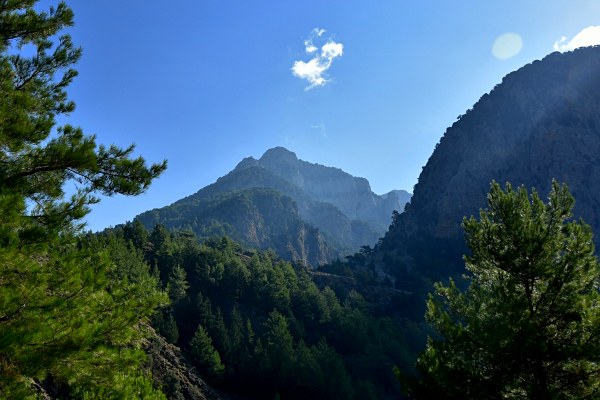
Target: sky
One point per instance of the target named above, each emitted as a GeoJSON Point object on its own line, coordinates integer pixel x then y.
{"type": "Point", "coordinates": [366, 86]}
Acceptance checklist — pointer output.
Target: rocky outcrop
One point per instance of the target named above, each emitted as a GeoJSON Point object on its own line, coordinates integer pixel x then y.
{"type": "Point", "coordinates": [351, 195]}
{"type": "Point", "coordinates": [541, 123]}
{"type": "Point", "coordinates": [258, 217]}
{"type": "Point", "coordinates": [177, 377]}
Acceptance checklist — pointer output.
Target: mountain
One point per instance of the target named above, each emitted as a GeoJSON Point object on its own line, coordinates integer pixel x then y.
{"type": "Point", "coordinates": [351, 195]}
{"type": "Point", "coordinates": [301, 210]}
{"type": "Point", "coordinates": [542, 122]}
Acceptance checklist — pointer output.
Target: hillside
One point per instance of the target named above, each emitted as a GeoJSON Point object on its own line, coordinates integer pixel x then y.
{"type": "Point", "coordinates": [305, 212]}
{"type": "Point", "coordinates": [542, 122]}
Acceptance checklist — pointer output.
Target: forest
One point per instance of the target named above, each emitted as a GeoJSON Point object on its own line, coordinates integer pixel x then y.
{"type": "Point", "coordinates": [250, 321]}
{"type": "Point", "coordinates": [87, 315]}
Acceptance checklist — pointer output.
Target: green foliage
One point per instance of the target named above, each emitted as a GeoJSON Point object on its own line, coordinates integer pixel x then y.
{"type": "Point", "coordinates": [177, 285]}
{"type": "Point", "coordinates": [205, 356]}
{"type": "Point", "coordinates": [134, 386]}
{"type": "Point", "coordinates": [278, 345]}
{"type": "Point", "coordinates": [164, 323]}
{"type": "Point", "coordinates": [159, 252]}
{"type": "Point", "coordinates": [66, 313]}
{"type": "Point", "coordinates": [273, 330]}
{"type": "Point", "coordinates": [67, 309]}
{"type": "Point", "coordinates": [135, 233]}
{"type": "Point", "coordinates": [528, 326]}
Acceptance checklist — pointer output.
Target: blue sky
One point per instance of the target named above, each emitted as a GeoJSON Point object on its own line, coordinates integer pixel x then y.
{"type": "Point", "coordinates": [205, 83]}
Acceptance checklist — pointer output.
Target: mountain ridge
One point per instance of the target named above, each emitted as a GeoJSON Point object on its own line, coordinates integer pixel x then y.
{"type": "Point", "coordinates": [286, 165]}
{"type": "Point", "coordinates": [542, 122]}
{"type": "Point", "coordinates": [327, 207]}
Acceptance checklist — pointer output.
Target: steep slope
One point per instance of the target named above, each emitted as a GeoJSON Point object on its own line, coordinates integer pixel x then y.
{"type": "Point", "coordinates": [258, 217]}
{"type": "Point", "coordinates": [174, 373]}
{"type": "Point", "coordinates": [342, 208]}
{"type": "Point", "coordinates": [542, 122]}
{"type": "Point", "coordinates": [352, 195]}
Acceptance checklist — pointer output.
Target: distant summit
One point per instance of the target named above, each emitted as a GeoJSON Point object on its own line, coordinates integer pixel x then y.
{"type": "Point", "coordinates": [352, 195]}
{"type": "Point", "coordinates": [278, 155]}
{"type": "Point", "coordinates": [306, 212]}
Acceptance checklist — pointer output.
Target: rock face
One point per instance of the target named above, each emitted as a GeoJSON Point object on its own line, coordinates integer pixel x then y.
{"type": "Point", "coordinates": [351, 195]}
{"type": "Point", "coordinates": [258, 217]}
{"type": "Point", "coordinates": [542, 122]}
{"type": "Point", "coordinates": [306, 212]}
{"type": "Point", "coordinates": [178, 378]}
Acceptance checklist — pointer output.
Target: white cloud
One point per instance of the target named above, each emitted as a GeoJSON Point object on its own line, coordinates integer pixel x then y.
{"type": "Point", "coordinates": [314, 70]}
{"type": "Point", "coordinates": [310, 48]}
{"type": "Point", "coordinates": [318, 32]}
{"type": "Point", "coordinates": [589, 36]}
{"type": "Point", "coordinates": [308, 43]}
{"type": "Point", "coordinates": [331, 50]}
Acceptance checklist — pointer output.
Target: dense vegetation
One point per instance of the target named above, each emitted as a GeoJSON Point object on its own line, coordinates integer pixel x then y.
{"type": "Point", "coordinates": [264, 219]}
{"type": "Point", "coordinates": [252, 322]}
{"type": "Point", "coordinates": [68, 318]}
{"type": "Point", "coordinates": [76, 309]}
{"type": "Point", "coordinates": [528, 325]}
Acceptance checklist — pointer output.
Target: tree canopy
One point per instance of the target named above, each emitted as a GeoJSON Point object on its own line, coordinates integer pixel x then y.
{"type": "Point", "coordinates": [38, 158]}
{"type": "Point", "coordinates": [528, 325]}
{"type": "Point", "coordinates": [261, 327]}
{"type": "Point", "coordinates": [66, 313]}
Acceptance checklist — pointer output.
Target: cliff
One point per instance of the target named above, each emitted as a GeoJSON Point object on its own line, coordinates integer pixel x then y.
{"type": "Point", "coordinates": [541, 123]}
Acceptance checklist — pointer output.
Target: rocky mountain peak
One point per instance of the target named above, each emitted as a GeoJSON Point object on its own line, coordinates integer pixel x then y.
{"type": "Point", "coordinates": [278, 155]}
{"type": "Point", "coordinates": [288, 204]}
{"type": "Point", "coordinates": [247, 162]}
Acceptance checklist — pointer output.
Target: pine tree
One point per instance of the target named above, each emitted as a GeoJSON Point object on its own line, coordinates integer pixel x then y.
{"type": "Point", "coordinates": [279, 348]}
{"type": "Point", "coordinates": [205, 356]}
{"type": "Point", "coordinates": [36, 163]}
{"type": "Point", "coordinates": [528, 326]}
{"type": "Point", "coordinates": [177, 285]}
{"type": "Point", "coordinates": [165, 324]}
{"type": "Point", "coordinates": [137, 234]}
{"type": "Point", "coordinates": [160, 254]}
{"type": "Point", "coordinates": [63, 313]}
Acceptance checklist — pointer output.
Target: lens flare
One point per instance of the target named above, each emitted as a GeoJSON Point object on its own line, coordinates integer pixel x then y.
{"type": "Point", "coordinates": [507, 46]}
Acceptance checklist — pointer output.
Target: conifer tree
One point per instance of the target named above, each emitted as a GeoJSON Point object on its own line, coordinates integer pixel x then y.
{"type": "Point", "coordinates": [62, 313]}
{"type": "Point", "coordinates": [528, 326]}
{"type": "Point", "coordinates": [178, 284]}
{"type": "Point", "coordinates": [137, 234]}
{"type": "Point", "coordinates": [205, 356]}
{"type": "Point", "coordinates": [279, 348]}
